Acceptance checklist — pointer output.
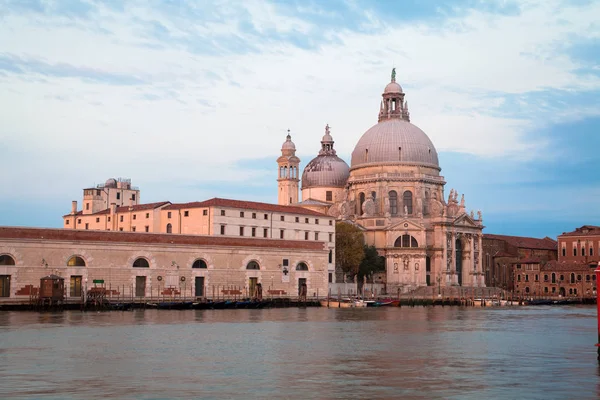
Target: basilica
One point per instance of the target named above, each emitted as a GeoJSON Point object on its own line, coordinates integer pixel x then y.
{"type": "Point", "coordinates": [394, 193]}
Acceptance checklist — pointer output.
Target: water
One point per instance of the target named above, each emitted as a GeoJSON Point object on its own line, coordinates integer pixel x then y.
{"type": "Point", "coordinates": [385, 353]}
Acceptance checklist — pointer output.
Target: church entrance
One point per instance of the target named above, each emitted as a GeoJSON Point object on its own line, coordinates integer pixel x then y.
{"type": "Point", "coordinates": [459, 260]}
{"type": "Point", "coordinates": [428, 271]}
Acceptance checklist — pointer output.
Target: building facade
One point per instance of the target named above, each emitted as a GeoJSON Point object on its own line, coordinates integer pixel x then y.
{"type": "Point", "coordinates": [502, 252]}
{"type": "Point", "coordinates": [144, 265]}
{"type": "Point", "coordinates": [394, 191]}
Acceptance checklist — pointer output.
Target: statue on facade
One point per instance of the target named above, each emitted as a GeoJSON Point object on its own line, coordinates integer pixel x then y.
{"type": "Point", "coordinates": [472, 214]}
{"type": "Point", "coordinates": [479, 215]}
{"type": "Point", "coordinates": [393, 74]}
{"type": "Point", "coordinates": [462, 201]}
{"type": "Point", "coordinates": [405, 210]}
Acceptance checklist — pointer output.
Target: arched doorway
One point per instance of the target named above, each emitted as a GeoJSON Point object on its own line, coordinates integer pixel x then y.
{"type": "Point", "coordinates": [428, 270]}
{"type": "Point", "coordinates": [459, 260]}
{"type": "Point", "coordinates": [562, 292]}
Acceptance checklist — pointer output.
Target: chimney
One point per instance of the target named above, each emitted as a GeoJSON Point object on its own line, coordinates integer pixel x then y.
{"type": "Point", "coordinates": [74, 207]}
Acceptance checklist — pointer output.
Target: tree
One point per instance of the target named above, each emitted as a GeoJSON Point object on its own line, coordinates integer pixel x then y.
{"type": "Point", "coordinates": [371, 263]}
{"type": "Point", "coordinates": [349, 251]}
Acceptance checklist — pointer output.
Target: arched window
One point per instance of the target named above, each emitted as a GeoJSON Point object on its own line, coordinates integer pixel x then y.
{"type": "Point", "coordinates": [141, 263]}
{"type": "Point", "coordinates": [553, 277]}
{"type": "Point", "coordinates": [406, 241]}
{"type": "Point", "coordinates": [169, 228]}
{"type": "Point", "coordinates": [76, 261]}
{"type": "Point", "coordinates": [199, 263]}
{"type": "Point", "coordinates": [572, 278]}
{"type": "Point", "coordinates": [393, 202]}
{"type": "Point", "coordinates": [252, 265]}
{"type": "Point", "coordinates": [361, 198]}
{"type": "Point", "coordinates": [527, 289]}
{"type": "Point", "coordinates": [5, 259]}
{"type": "Point", "coordinates": [301, 267]}
{"type": "Point", "coordinates": [408, 201]}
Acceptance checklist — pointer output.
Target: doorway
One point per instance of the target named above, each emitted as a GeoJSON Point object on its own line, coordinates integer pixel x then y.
{"type": "Point", "coordinates": [302, 287]}
{"type": "Point", "coordinates": [199, 286]}
{"type": "Point", "coordinates": [4, 285]}
{"type": "Point", "coordinates": [252, 286]}
{"type": "Point", "coordinates": [459, 260]}
{"type": "Point", "coordinates": [75, 286]}
{"type": "Point", "coordinates": [140, 286]}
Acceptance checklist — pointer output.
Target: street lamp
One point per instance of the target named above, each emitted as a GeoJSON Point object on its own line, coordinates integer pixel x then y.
{"type": "Point", "coordinates": [439, 281]}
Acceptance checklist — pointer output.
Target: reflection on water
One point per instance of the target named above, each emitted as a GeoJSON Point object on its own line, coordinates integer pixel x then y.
{"type": "Point", "coordinates": [450, 352]}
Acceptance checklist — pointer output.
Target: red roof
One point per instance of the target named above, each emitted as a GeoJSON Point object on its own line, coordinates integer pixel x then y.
{"type": "Point", "coordinates": [568, 266]}
{"type": "Point", "coordinates": [527, 261]}
{"type": "Point", "coordinates": [586, 230]}
{"type": "Point", "coordinates": [526, 242]}
{"type": "Point", "coordinates": [247, 205]}
{"type": "Point", "coordinates": [152, 238]}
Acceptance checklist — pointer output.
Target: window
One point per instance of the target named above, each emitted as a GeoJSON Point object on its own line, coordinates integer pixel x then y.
{"type": "Point", "coordinates": [108, 219]}
{"type": "Point", "coordinates": [536, 277]}
{"type": "Point", "coordinates": [329, 195]}
{"type": "Point", "coordinates": [141, 263]}
{"type": "Point", "coordinates": [526, 277]}
{"type": "Point", "coordinates": [87, 206]}
{"type": "Point", "coordinates": [575, 251]}
{"type": "Point", "coordinates": [253, 232]}
{"type": "Point", "coordinates": [330, 222]}
{"type": "Point", "coordinates": [253, 215]}
{"type": "Point", "coordinates": [281, 234]}
{"type": "Point", "coordinates": [393, 196]}
{"type": "Point", "coordinates": [316, 221]}
{"type": "Point", "coordinates": [574, 290]}
{"type": "Point", "coordinates": [572, 278]}
{"type": "Point", "coordinates": [330, 277]}
{"type": "Point", "coordinates": [361, 198]}
{"type": "Point", "coordinates": [169, 214]}
{"type": "Point", "coordinates": [564, 252]}
{"type": "Point", "coordinates": [187, 213]}
{"type": "Point", "coordinates": [546, 278]}
{"type": "Point", "coordinates": [266, 216]}
{"type": "Point", "coordinates": [204, 212]}
{"type": "Point", "coordinates": [518, 278]}
{"type": "Point", "coordinates": [297, 219]}
{"type": "Point", "coordinates": [169, 228]}
{"type": "Point", "coordinates": [286, 262]}
{"type": "Point", "coordinates": [241, 214]}
{"type": "Point", "coordinates": [133, 228]}
{"type": "Point", "coordinates": [252, 265]}
{"type": "Point", "coordinates": [134, 216]}
{"type": "Point", "coordinates": [133, 197]}
{"type": "Point", "coordinates": [587, 278]}
{"type": "Point", "coordinates": [282, 218]}
{"type": "Point", "coordinates": [199, 263]}
{"type": "Point", "coordinates": [79, 221]}
{"type": "Point", "coordinates": [241, 231]}
{"type": "Point", "coordinates": [562, 278]}
{"type": "Point", "coordinates": [331, 237]}
{"type": "Point", "coordinates": [553, 289]}
{"type": "Point", "coordinates": [222, 213]}
{"type": "Point", "coordinates": [265, 232]}
{"type": "Point", "coordinates": [147, 228]}
{"type": "Point", "coordinates": [305, 235]}
{"type": "Point", "coordinates": [301, 267]}
{"type": "Point", "coordinates": [306, 220]}
{"type": "Point", "coordinates": [67, 222]}
{"type": "Point", "coordinates": [406, 241]}
{"type": "Point", "coordinates": [316, 235]}
{"type": "Point", "coordinates": [5, 259]}
{"type": "Point", "coordinates": [118, 196]}
{"type": "Point", "coordinates": [408, 201]}
{"type": "Point", "coordinates": [222, 229]}
{"type": "Point", "coordinates": [87, 226]}
{"type": "Point", "coordinates": [147, 215]}
{"type": "Point", "coordinates": [330, 256]}
{"type": "Point", "coordinates": [527, 289]}
{"type": "Point", "coordinates": [518, 266]}
{"type": "Point", "coordinates": [578, 278]}
{"type": "Point", "coordinates": [121, 218]}
{"type": "Point", "coordinates": [545, 289]}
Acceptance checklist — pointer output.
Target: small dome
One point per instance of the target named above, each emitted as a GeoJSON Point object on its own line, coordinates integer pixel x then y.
{"type": "Point", "coordinates": [392, 87]}
{"type": "Point", "coordinates": [288, 144]}
{"type": "Point", "coordinates": [326, 170]}
{"type": "Point", "coordinates": [111, 183]}
{"type": "Point", "coordinates": [394, 141]}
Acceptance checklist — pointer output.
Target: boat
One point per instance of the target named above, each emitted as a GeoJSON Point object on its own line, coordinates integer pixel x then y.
{"type": "Point", "coordinates": [388, 303]}
{"type": "Point", "coordinates": [344, 303]}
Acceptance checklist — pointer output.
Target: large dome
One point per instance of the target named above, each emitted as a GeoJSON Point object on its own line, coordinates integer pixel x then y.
{"type": "Point", "coordinates": [394, 141]}
{"type": "Point", "coordinates": [325, 171]}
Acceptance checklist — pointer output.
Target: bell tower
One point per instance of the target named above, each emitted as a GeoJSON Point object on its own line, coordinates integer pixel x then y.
{"type": "Point", "coordinates": [287, 177]}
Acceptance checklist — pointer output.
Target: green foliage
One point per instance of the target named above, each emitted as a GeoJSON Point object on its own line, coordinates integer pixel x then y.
{"type": "Point", "coordinates": [349, 243]}
{"type": "Point", "coordinates": [371, 263]}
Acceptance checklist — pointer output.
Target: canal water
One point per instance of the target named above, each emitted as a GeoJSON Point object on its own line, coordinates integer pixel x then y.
{"type": "Point", "coordinates": [314, 353]}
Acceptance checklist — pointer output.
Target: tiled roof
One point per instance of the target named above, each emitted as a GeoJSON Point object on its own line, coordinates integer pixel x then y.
{"type": "Point", "coordinates": [247, 205]}
{"type": "Point", "coordinates": [586, 230]}
{"type": "Point", "coordinates": [122, 209]}
{"type": "Point", "coordinates": [568, 266]}
{"type": "Point", "coordinates": [528, 261]}
{"type": "Point", "coordinates": [525, 242]}
{"type": "Point", "coordinates": [151, 238]}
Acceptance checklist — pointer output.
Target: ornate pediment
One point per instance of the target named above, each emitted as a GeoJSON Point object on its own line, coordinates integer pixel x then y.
{"type": "Point", "coordinates": [465, 220]}
{"type": "Point", "coordinates": [406, 225]}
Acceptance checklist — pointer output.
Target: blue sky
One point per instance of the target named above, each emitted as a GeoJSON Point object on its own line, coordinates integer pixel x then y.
{"type": "Point", "coordinates": [192, 99]}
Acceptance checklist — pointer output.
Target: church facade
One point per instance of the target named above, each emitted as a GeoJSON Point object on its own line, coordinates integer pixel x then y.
{"type": "Point", "coordinates": [394, 192]}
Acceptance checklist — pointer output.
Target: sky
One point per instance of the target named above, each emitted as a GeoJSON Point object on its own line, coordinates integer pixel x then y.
{"type": "Point", "coordinates": [193, 99]}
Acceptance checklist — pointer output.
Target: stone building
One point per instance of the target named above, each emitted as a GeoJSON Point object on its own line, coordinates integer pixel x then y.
{"type": "Point", "coordinates": [150, 264]}
{"type": "Point", "coordinates": [394, 191]}
{"type": "Point", "coordinates": [501, 252]}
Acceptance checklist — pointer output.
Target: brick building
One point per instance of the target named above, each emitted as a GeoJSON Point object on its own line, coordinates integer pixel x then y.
{"type": "Point", "coordinates": [502, 252]}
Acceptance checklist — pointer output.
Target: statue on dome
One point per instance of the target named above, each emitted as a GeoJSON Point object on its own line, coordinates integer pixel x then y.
{"type": "Point", "coordinates": [393, 74]}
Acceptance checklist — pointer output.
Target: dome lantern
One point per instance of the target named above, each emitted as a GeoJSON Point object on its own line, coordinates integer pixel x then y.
{"type": "Point", "coordinates": [393, 104]}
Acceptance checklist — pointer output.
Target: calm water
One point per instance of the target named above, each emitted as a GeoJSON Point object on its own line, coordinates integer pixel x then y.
{"type": "Point", "coordinates": [385, 353]}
